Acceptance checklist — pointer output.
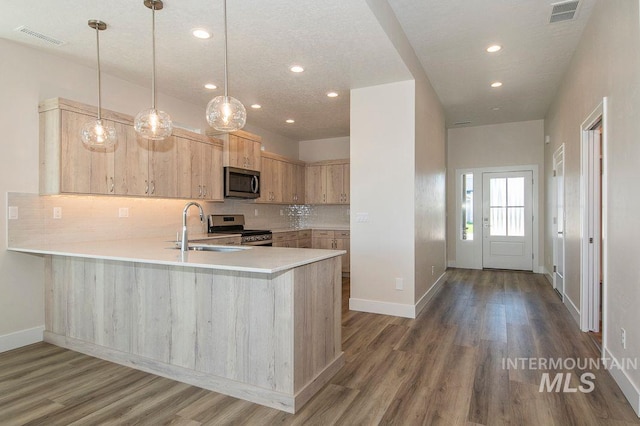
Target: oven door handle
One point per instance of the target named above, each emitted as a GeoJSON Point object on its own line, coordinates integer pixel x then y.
{"type": "Point", "coordinates": [255, 184]}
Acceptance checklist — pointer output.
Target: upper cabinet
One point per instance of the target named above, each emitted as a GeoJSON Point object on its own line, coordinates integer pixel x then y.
{"type": "Point", "coordinates": [281, 180]}
{"type": "Point", "coordinates": [327, 182]}
{"type": "Point", "coordinates": [241, 149]}
{"type": "Point", "coordinates": [185, 165]}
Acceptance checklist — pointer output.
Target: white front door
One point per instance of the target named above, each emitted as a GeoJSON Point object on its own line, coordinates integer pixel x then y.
{"type": "Point", "coordinates": [507, 220]}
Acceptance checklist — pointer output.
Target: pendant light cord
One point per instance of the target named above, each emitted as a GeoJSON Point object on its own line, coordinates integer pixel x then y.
{"type": "Point", "coordinates": [224, 12]}
{"type": "Point", "coordinates": [153, 55]}
{"type": "Point", "coordinates": [99, 79]}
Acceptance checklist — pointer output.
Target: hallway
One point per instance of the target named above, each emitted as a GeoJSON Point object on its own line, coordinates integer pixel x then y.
{"type": "Point", "coordinates": [445, 367]}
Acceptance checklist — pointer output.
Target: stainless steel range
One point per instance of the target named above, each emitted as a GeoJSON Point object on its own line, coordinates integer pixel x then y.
{"type": "Point", "coordinates": [234, 224]}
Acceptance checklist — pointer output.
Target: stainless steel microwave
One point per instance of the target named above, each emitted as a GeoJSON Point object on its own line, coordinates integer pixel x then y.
{"type": "Point", "coordinates": [241, 183]}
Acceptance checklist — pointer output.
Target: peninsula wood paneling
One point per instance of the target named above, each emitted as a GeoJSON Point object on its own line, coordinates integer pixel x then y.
{"type": "Point", "coordinates": [217, 329]}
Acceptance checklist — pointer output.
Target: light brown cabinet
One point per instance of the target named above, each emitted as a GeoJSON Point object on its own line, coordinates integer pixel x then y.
{"type": "Point", "coordinates": [135, 166]}
{"type": "Point", "coordinates": [241, 149]}
{"type": "Point", "coordinates": [299, 239]}
{"type": "Point", "coordinates": [271, 176]}
{"type": "Point", "coordinates": [334, 240]}
{"type": "Point", "coordinates": [206, 171]}
{"type": "Point", "coordinates": [281, 180]}
{"type": "Point", "coordinates": [328, 182]}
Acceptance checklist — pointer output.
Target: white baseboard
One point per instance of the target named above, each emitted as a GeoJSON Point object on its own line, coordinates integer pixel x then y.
{"type": "Point", "coordinates": [21, 338]}
{"type": "Point", "coordinates": [573, 309]}
{"type": "Point", "coordinates": [385, 308]}
{"type": "Point", "coordinates": [629, 389]}
{"type": "Point", "coordinates": [435, 288]}
{"type": "Point", "coordinates": [397, 309]}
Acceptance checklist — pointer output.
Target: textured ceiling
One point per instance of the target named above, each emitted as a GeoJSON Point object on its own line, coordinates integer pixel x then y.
{"type": "Point", "coordinates": [339, 42]}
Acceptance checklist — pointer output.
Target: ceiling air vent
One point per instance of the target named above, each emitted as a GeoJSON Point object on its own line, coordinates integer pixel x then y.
{"type": "Point", "coordinates": [42, 37]}
{"type": "Point", "coordinates": [563, 11]}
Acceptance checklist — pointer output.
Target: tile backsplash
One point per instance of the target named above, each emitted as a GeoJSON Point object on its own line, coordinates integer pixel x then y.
{"type": "Point", "coordinates": [95, 218]}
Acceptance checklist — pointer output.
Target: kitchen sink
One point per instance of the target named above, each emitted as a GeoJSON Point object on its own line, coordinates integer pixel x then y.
{"type": "Point", "coordinates": [207, 247]}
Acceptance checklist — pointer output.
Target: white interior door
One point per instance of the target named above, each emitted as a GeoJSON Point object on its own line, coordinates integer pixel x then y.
{"type": "Point", "coordinates": [507, 220]}
{"type": "Point", "coordinates": [558, 222]}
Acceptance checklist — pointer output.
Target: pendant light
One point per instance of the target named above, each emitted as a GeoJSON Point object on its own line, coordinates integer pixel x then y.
{"type": "Point", "coordinates": [151, 123]}
{"type": "Point", "coordinates": [97, 134]}
{"type": "Point", "coordinates": [224, 113]}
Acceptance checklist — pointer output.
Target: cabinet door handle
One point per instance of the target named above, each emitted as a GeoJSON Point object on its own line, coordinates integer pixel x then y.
{"type": "Point", "coordinates": [199, 191]}
{"type": "Point", "coordinates": [113, 185]}
{"type": "Point", "coordinates": [204, 190]}
{"type": "Point", "coordinates": [153, 187]}
{"type": "Point", "coordinates": [146, 186]}
{"type": "Point", "coordinates": [324, 198]}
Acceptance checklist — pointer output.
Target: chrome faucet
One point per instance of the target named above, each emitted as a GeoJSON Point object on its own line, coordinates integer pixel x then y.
{"type": "Point", "coordinates": [184, 246]}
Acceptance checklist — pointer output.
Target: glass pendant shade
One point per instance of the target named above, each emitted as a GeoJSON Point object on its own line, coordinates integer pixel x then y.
{"type": "Point", "coordinates": [226, 114]}
{"type": "Point", "coordinates": [153, 124]}
{"type": "Point", "coordinates": [98, 134]}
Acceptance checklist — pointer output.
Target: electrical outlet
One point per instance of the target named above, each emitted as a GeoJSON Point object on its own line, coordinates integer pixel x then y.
{"type": "Point", "coordinates": [13, 212]}
{"type": "Point", "coordinates": [57, 212]}
{"type": "Point", "coordinates": [399, 284]}
{"type": "Point", "coordinates": [255, 212]}
{"type": "Point", "coordinates": [123, 212]}
{"type": "Point", "coordinates": [433, 270]}
{"type": "Point", "coordinates": [623, 338]}
{"type": "Point", "coordinates": [281, 212]}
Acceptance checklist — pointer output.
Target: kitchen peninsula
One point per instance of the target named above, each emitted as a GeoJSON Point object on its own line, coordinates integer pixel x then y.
{"type": "Point", "coordinates": [261, 324]}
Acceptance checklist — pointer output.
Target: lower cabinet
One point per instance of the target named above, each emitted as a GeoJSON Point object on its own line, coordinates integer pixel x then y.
{"type": "Point", "coordinates": [293, 239]}
{"type": "Point", "coordinates": [334, 240]}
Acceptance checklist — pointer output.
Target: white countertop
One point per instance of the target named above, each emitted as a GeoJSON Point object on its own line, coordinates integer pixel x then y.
{"type": "Point", "coordinates": [161, 251]}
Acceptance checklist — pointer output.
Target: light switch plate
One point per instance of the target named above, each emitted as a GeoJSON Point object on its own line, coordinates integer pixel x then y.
{"type": "Point", "coordinates": [13, 212]}
{"type": "Point", "coordinates": [362, 217]}
{"type": "Point", "coordinates": [123, 212]}
{"type": "Point", "coordinates": [57, 212]}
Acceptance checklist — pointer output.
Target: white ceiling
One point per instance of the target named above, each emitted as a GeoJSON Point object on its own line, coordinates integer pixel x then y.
{"type": "Point", "coordinates": [339, 42]}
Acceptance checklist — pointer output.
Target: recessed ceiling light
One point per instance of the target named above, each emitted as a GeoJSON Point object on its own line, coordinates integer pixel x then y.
{"type": "Point", "coordinates": [200, 33]}
{"type": "Point", "coordinates": [256, 106]}
{"type": "Point", "coordinates": [332, 94]}
{"type": "Point", "coordinates": [496, 84]}
{"type": "Point", "coordinates": [290, 121]}
{"type": "Point", "coordinates": [496, 108]}
{"type": "Point", "coordinates": [494, 48]}
{"type": "Point", "coordinates": [210, 86]}
{"type": "Point", "coordinates": [296, 68]}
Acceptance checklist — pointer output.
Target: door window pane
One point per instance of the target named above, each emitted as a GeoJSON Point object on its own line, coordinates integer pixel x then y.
{"type": "Point", "coordinates": [498, 221]}
{"type": "Point", "coordinates": [515, 221]}
{"type": "Point", "coordinates": [515, 192]}
{"type": "Point", "coordinates": [498, 192]}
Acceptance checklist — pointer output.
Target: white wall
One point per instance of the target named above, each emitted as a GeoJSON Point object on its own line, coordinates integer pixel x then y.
{"type": "Point", "coordinates": [324, 149]}
{"type": "Point", "coordinates": [273, 142]}
{"type": "Point", "coordinates": [382, 186]}
{"type": "Point", "coordinates": [430, 185]}
{"type": "Point", "coordinates": [496, 145]}
{"type": "Point", "coordinates": [606, 63]}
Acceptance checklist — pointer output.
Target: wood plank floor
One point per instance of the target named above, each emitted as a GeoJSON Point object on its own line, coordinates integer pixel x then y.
{"type": "Point", "coordinates": [443, 368]}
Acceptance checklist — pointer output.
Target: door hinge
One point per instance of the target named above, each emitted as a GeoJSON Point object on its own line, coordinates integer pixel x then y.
{"type": "Point", "coordinates": [532, 256]}
{"type": "Point", "coordinates": [555, 268]}
{"type": "Point", "coordinates": [554, 173]}
{"type": "Point", "coordinates": [591, 240]}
